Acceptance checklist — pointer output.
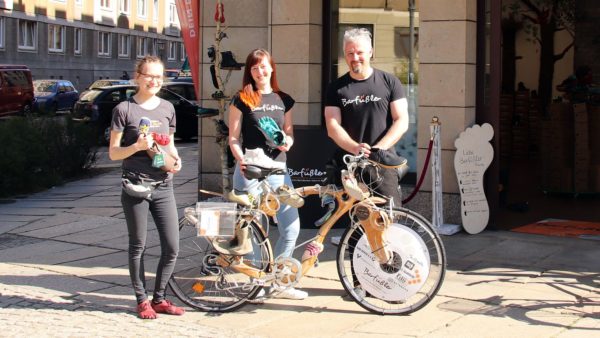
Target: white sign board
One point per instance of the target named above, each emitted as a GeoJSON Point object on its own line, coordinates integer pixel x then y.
{"type": "Point", "coordinates": [474, 153]}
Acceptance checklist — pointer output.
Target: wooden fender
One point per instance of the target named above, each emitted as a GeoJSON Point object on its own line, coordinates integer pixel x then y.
{"type": "Point", "coordinates": [375, 225]}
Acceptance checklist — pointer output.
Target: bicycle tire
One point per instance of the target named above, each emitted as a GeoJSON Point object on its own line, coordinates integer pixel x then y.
{"type": "Point", "coordinates": [413, 225]}
{"type": "Point", "coordinates": [205, 285]}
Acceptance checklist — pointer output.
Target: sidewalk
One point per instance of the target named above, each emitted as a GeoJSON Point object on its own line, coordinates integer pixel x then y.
{"type": "Point", "coordinates": [64, 272]}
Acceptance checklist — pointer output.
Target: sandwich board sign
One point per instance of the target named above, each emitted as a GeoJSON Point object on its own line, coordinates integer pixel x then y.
{"type": "Point", "coordinates": [473, 156]}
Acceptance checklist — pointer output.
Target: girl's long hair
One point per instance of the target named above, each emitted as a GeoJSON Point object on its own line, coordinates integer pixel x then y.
{"type": "Point", "coordinates": [249, 94]}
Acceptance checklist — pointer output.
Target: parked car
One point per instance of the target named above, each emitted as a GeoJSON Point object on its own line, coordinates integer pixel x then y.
{"type": "Point", "coordinates": [96, 106]}
{"type": "Point", "coordinates": [182, 88]}
{"type": "Point", "coordinates": [16, 90]}
{"type": "Point", "coordinates": [107, 83]}
{"type": "Point", "coordinates": [52, 95]}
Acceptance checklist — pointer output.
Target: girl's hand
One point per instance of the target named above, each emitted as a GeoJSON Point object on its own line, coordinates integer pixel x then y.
{"type": "Point", "coordinates": [143, 142]}
{"type": "Point", "coordinates": [178, 165]}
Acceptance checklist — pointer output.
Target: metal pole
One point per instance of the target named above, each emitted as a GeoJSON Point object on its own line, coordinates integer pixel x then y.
{"type": "Point", "coordinates": [437, 217]}
{"type": "Point", "coordinates": [411, 41]}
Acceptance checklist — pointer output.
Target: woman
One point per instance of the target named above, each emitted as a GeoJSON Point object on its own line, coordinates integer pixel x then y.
{"type": "Point", "coordinates": [260, 97]}
{"type": "Point", "coordinates": [140, 121]}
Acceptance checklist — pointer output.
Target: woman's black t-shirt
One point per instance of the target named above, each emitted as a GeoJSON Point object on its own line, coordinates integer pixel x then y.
{"type": "Point", "coordinates": [274, 105]}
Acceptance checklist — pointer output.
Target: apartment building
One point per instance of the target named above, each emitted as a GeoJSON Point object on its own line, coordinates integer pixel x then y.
{"type": "Point", "coordinates": [86, 40]}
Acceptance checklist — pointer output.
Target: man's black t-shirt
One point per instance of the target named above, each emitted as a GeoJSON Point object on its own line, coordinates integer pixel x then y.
{"type": "Point", "coordinates": [274, 105]}
{"type": "Point", "coordinates": [365, 104]}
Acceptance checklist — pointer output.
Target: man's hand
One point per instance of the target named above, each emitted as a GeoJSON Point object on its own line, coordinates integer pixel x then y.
{"type": "Point", "coordinates": [362, 147]}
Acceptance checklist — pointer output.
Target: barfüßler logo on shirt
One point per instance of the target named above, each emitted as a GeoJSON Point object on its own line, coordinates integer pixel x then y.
{"type": "Point", "coordinates": [361, 99]}
{"type": "Point", "coordinates": [268, 107]}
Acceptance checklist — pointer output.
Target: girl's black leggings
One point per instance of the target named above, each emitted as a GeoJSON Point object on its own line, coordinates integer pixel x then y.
{"type": "Point", "coordinates": [163, 209]}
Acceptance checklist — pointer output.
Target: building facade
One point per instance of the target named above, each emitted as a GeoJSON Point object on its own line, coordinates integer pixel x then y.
{"type": "Point", "coordinates": [86, 40]}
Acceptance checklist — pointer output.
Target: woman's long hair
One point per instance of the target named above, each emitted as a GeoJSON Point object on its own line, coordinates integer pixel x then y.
{"type": "Point", "coordinates": [249, 94]}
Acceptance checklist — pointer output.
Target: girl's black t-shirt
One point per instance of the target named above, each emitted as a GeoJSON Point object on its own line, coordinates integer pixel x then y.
{"type": "Point", "coordinates": [365, 104]}
{"type": "Point", "coordinates": [274, 105]}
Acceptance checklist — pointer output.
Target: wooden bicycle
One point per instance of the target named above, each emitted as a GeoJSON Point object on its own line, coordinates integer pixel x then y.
{"type": "Point", "coordinates": [390, 260]}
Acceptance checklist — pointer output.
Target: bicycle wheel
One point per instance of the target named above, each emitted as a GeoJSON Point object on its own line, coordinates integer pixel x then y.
{"type": "Point", "coordinates": [200, 282]}
{"type": "Point", "coordinates": [405, 284]}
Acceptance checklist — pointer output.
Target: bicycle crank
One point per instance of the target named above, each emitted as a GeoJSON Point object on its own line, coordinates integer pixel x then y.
{"type": "Point", "coordinates": [287, 272]}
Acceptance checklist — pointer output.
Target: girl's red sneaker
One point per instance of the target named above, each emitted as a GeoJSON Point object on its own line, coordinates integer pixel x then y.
{"type": "Point", "coordinates": [167, 307]}
{"type": "Point", "coordinates": [145, 311]}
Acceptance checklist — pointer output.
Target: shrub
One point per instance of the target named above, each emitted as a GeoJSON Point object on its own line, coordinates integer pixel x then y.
{"type": "Point", "coordinates": [37, 153]}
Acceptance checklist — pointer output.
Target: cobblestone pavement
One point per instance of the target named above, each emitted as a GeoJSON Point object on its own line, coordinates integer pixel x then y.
{"type": "Point", "coordinates": [63, 273]}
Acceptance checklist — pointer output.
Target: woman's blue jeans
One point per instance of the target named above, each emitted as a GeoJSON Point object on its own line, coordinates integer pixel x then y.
{"type": "Point", "coordinates": [288, 221]}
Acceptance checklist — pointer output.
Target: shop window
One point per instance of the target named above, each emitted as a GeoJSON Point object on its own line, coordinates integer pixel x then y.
{"type": "Point", "coordinates": [390, 25]}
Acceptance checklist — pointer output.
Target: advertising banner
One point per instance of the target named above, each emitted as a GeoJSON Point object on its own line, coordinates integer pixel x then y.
{"type": "Point", "coordinates": [189, 19]}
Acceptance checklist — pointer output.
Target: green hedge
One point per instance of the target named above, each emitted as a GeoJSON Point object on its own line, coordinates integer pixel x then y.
{"type": "Point", "coordinates": [38, 153]}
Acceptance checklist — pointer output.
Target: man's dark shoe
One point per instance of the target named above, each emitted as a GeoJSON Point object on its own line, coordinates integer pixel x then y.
{"type": "Point", "coordinates": [387, 158]}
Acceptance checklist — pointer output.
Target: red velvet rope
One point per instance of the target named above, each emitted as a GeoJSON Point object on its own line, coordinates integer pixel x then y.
{"type": "Point", "coordinates": [422, 177]}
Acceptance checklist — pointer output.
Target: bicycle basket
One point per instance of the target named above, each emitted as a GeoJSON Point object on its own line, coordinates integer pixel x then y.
{"type": "Point", "coordinates": [216, 219]}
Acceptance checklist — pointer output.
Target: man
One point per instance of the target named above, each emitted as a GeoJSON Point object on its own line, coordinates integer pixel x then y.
{"type": "Point", "coordinates": [366, 110]}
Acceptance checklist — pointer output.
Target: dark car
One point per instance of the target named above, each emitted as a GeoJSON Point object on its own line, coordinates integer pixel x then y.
{"type": "Point", "coordinates": [96, 106]}
{"type": "Point", "coordinates": [16, 90]}
{"type": "Point", "coordinates": [182, 88]}
{"type": "Point", "coordinates": [52, 95]}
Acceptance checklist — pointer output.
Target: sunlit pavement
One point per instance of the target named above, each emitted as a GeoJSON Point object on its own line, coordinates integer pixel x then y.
{"type": "Point", "coordinates": [64, 273]}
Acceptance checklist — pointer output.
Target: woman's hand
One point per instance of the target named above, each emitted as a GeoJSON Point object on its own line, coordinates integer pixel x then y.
{"type": "Point", "coordinates": [287, 145]}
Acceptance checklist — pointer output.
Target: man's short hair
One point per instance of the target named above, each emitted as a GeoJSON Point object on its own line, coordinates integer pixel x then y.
{"type": "Point", "coordinates": [357, 34]}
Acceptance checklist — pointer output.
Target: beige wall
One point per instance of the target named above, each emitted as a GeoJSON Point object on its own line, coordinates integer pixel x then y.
{"type": "Point", "coordinates": [447, 52]}
{"type": "Point", "coordinates": [292, 30]}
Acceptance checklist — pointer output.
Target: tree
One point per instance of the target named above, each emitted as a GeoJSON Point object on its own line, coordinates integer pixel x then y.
{"type": "Point", "coordinates": [542, 19]}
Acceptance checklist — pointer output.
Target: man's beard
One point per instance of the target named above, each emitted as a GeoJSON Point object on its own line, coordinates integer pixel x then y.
{"type": "Point", "coordinates": [357, 69]}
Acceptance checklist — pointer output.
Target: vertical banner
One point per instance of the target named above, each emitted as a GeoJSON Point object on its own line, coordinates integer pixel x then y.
{"type": "Point", "coordinates": [189, 19]}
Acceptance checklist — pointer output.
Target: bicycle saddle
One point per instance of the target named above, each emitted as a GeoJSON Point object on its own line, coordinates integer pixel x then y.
{"type": "Point", "coordinates": [257, 172]}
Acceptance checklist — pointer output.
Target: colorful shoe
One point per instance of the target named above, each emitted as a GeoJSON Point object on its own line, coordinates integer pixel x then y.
{"type": "Point", "coordinates": [312, 249]}
{"type": "Point", "coordinates": [290, 197]}
{"type": "Point", "coordinates": [240, 245]}
{"type": "Point", "coordinates": [241, 199]}
{"type": "Point", "coordinates": [167, 307]}
{"type": "Point", "coordinates": [145, 310]}
{"type": "Point", "coordinates": [356, 190]}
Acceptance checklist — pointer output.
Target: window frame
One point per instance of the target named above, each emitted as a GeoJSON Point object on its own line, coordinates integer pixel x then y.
{"type": "Point", "coordinates": [105, 4]}
{"type": "Point", "coordinates": [2, 32]}
{"type": "Point", "coordinates": [142, 11]}
{"type": "Point", "coordinates": [77, 40]}
{"type": "Point", "coordinates": [56, 31]}
{"type": "Point", "coordinates": [125, 6]}
{"type": "Point", "coordinates": [127, 49]}
{"type": "Point", "coordinates": [172, 54]}
{"type": "Point", "coordinates": [34, 35]}
{"type": "Point", "coordinates": [141, 42]}
{"type": "Point", "coordinates": [104, 50]}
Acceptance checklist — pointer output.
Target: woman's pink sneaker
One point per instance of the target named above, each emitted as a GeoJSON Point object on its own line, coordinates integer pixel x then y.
{"type": "Point", "coordinates": [167, 307]}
